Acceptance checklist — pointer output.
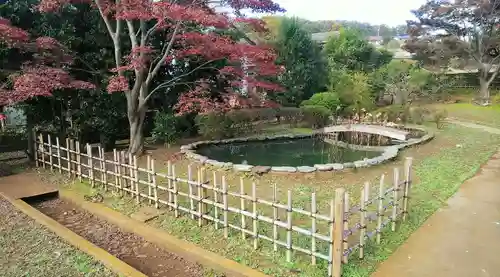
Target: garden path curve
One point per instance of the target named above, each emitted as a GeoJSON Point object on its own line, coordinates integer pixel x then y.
{"type": "Point", "coordinates": [461, 239]}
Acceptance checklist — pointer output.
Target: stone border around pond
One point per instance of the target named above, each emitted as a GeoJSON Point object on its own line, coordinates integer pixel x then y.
{"type": "Point", "coordinates": [388, 153]}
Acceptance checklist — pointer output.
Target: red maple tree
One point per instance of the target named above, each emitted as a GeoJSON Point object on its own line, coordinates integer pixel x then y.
{"type": "Point", "coordinates": [192, 29]}
{"type": "Point", "coordinates": [42, 74]}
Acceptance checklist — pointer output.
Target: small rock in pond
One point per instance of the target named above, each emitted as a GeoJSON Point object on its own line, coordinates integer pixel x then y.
{"type": "Point", "coordinates": [360, 164]}
{"type": "Point", "coordinates": [261, 169]}
{"type": "Point", "coordinates": [289, 169]}
{"type": "Point", "coordinates": [306, 169]}
{"type": "Point", "coordinates": [338, 166]}
{"type": "Point", "coordinates": [323, 167]}
{"type": "Point", "coordinates": [243, 167]}
{"type": "Point", "coordinates": [348, 165]}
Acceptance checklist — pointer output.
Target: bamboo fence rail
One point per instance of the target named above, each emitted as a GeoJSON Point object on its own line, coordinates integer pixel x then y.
{"type": "Point", "coordinates": [330, 238]}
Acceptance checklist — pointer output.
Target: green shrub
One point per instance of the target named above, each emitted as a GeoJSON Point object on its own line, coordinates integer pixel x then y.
{"type": "Point", "coordinates": [315, 116]}
{"type": "Point", "coordinates": [395, 113]}
{"type": "Point", "coordinates": [165, 128]}
{"type": "Point", "coordinates": [418, 115]}
{"type": "Point", "coordinates": [214, 125]}
{"type": "Point", "coordinates": [241, 121]}
{"type": "Point", "coordinates": [438, 116]}
{"type": "Point", "coordinates": [289, 115]}
{"type": "Point", "coordinates": [329, 100]}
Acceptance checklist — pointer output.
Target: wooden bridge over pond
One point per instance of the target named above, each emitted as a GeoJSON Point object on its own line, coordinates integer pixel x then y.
{"type": "Point", "coordinates": [368, 129]}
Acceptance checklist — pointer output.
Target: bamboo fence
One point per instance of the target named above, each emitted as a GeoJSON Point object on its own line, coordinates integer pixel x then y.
{"type": "Point", "coordinates": [330, 238]}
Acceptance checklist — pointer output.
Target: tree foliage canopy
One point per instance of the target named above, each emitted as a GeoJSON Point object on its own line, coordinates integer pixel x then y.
{"type": "Point", "coordinates": [350, 51]}
{"type": "Point", "coordinates": [466, 29]}
{"type": "Point", "coordinates": [305, 65]}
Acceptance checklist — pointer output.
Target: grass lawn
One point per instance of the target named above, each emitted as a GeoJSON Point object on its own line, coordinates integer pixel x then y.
{"type": "Point", "coordinates": [440, 166]}
{"type": "Point", "coordinates": [468, 112]}
{"type": "Point", "coordinates": [29, 250]}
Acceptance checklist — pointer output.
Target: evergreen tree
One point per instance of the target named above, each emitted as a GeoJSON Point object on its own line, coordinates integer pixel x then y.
{"type": "Point", "coordinates": [305, 66]}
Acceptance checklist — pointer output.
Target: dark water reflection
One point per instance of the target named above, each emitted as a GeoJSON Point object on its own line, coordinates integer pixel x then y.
{"type": "Point", "coordinates": [296, 152]}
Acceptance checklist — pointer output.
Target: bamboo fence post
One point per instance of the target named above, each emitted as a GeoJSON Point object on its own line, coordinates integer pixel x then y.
{"type": "Point", "coordinates": [58, 149]}
{"type": "Point", "coordinates": [243, 209]}
{"type": "Point", "coordinates": [104, 169]}
{"type": "Point", "coordinates": [50, 153]}
{"type": "Point", "coordinates": [216, 200]}
{"type": "Point", "coordinates": [131, 173]}
{"type": "Point", "coordinates": [42, 148]}
{"type": "Point", "coordinates": [91, 165]}
{"type": "Point", "coordinates": [345, 258]}
{"type": "Point", "coordinates": [176, 192]}
{"type": "Point", "coordinates": [255, 217]}
{"type": "Point", "coordinates": [150, 189]}
{"type": "Point", "coordinates": [408, 164]}
{"type": "Point", "coordinates": [338, 233]}
{"type": "Point", "coordinates": [115, 169]}
{"type": "Point", "coordinates": [155, 185]}
{"type": "Point", "coordinates": [332, 237]}
{"type": "Point", "coordinates": [289, 213]}
{"type": "Point", "coordinates": [395, 198]}
{"type": "Point", "coordinates": [364, 196]}
{"type": "Point", "coordinates": [78, 161]}
{"type": "Point", "coordinates": [200, 197]}
{"type": "Point", "coordinates": [99, 158]}
{"type": "Point", "coordinates": [136, 178]}
{"type": "Point", "coordinates": [35, 141]}
{"type": "Point", "coordinates": [204, 192]}
{"type": "Point", "coordinates": [224, 200]}
{"type": "Point", "coordinates": [123, 169]}
{"type": "Point", "coordinates": [313, 227]}
{"type": "Point", "coordinates": [275, 217]}
{"type": "Point", "coordinates": [203, 196]}
{"type": "Point", "coordinates": [380, 209]}
{"type": "Point", "coordinates": [70, 157]}
{"type": "Point", "coordinates": [191, 193]}
{"type": "Point", "coordinates": [119, 172]}
{"type": "Point", "coordinates": [169, 181]}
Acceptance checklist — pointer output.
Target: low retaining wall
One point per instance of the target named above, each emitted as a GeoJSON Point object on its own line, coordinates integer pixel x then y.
{"type": "Point", "coordinates": [388, 153]}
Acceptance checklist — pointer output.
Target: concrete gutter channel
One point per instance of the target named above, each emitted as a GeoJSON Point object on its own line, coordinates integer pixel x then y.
{"type": "Point", "coordinates": [157, 237]}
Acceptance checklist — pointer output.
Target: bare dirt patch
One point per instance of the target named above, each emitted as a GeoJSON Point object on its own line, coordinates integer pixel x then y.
{"type": "Point", "coordinates": [128, 247]}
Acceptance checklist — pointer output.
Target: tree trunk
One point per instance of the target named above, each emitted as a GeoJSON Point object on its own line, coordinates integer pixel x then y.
{"type": "Point", "coordinates": [484, 90]}
{"type": "Point", "coordinates": [136, 121]}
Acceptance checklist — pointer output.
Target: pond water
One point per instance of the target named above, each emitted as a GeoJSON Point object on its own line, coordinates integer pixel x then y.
{"type": "Point", "coordinates": [290, 152]}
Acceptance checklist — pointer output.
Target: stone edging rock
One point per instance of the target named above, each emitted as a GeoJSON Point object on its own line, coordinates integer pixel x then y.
{"type": "Point", "coordinates": [388, 153]}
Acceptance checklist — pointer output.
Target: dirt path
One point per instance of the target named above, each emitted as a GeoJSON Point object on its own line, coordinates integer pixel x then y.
{"type": "Point", "coordinates": [29, 249]}
{"type": "Point", "coordinates": [25, 185]}
{"type": "Point", "coordinates": [474, 125]}
{"type": "Point", "coordinates": [462, 239]}
{"type": "Point", "coordinates": [128, 247]}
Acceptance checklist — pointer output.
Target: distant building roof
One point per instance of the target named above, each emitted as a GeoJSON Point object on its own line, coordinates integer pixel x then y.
{"type": "Point", "coordinates": [323, 37]}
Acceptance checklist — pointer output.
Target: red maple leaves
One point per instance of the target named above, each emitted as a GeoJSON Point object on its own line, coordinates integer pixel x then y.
{"type": "Point", "coordinates": [192, 30]}
{"type": "Point", "coordinates": [41, 76]}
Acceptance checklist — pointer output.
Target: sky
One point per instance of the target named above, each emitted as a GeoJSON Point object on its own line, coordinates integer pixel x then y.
{"type": "Point", "coordinates": [390, 12]}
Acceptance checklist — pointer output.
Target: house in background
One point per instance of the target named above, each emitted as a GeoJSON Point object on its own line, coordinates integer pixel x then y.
{"type": "Point", "coordinates": [322, 38]}
{"type": "Point", "coordinates": [375, 40]}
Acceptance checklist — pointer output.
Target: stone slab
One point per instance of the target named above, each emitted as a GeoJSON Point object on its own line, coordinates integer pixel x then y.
{"type": "Point", "coordinates": [146, 213]}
